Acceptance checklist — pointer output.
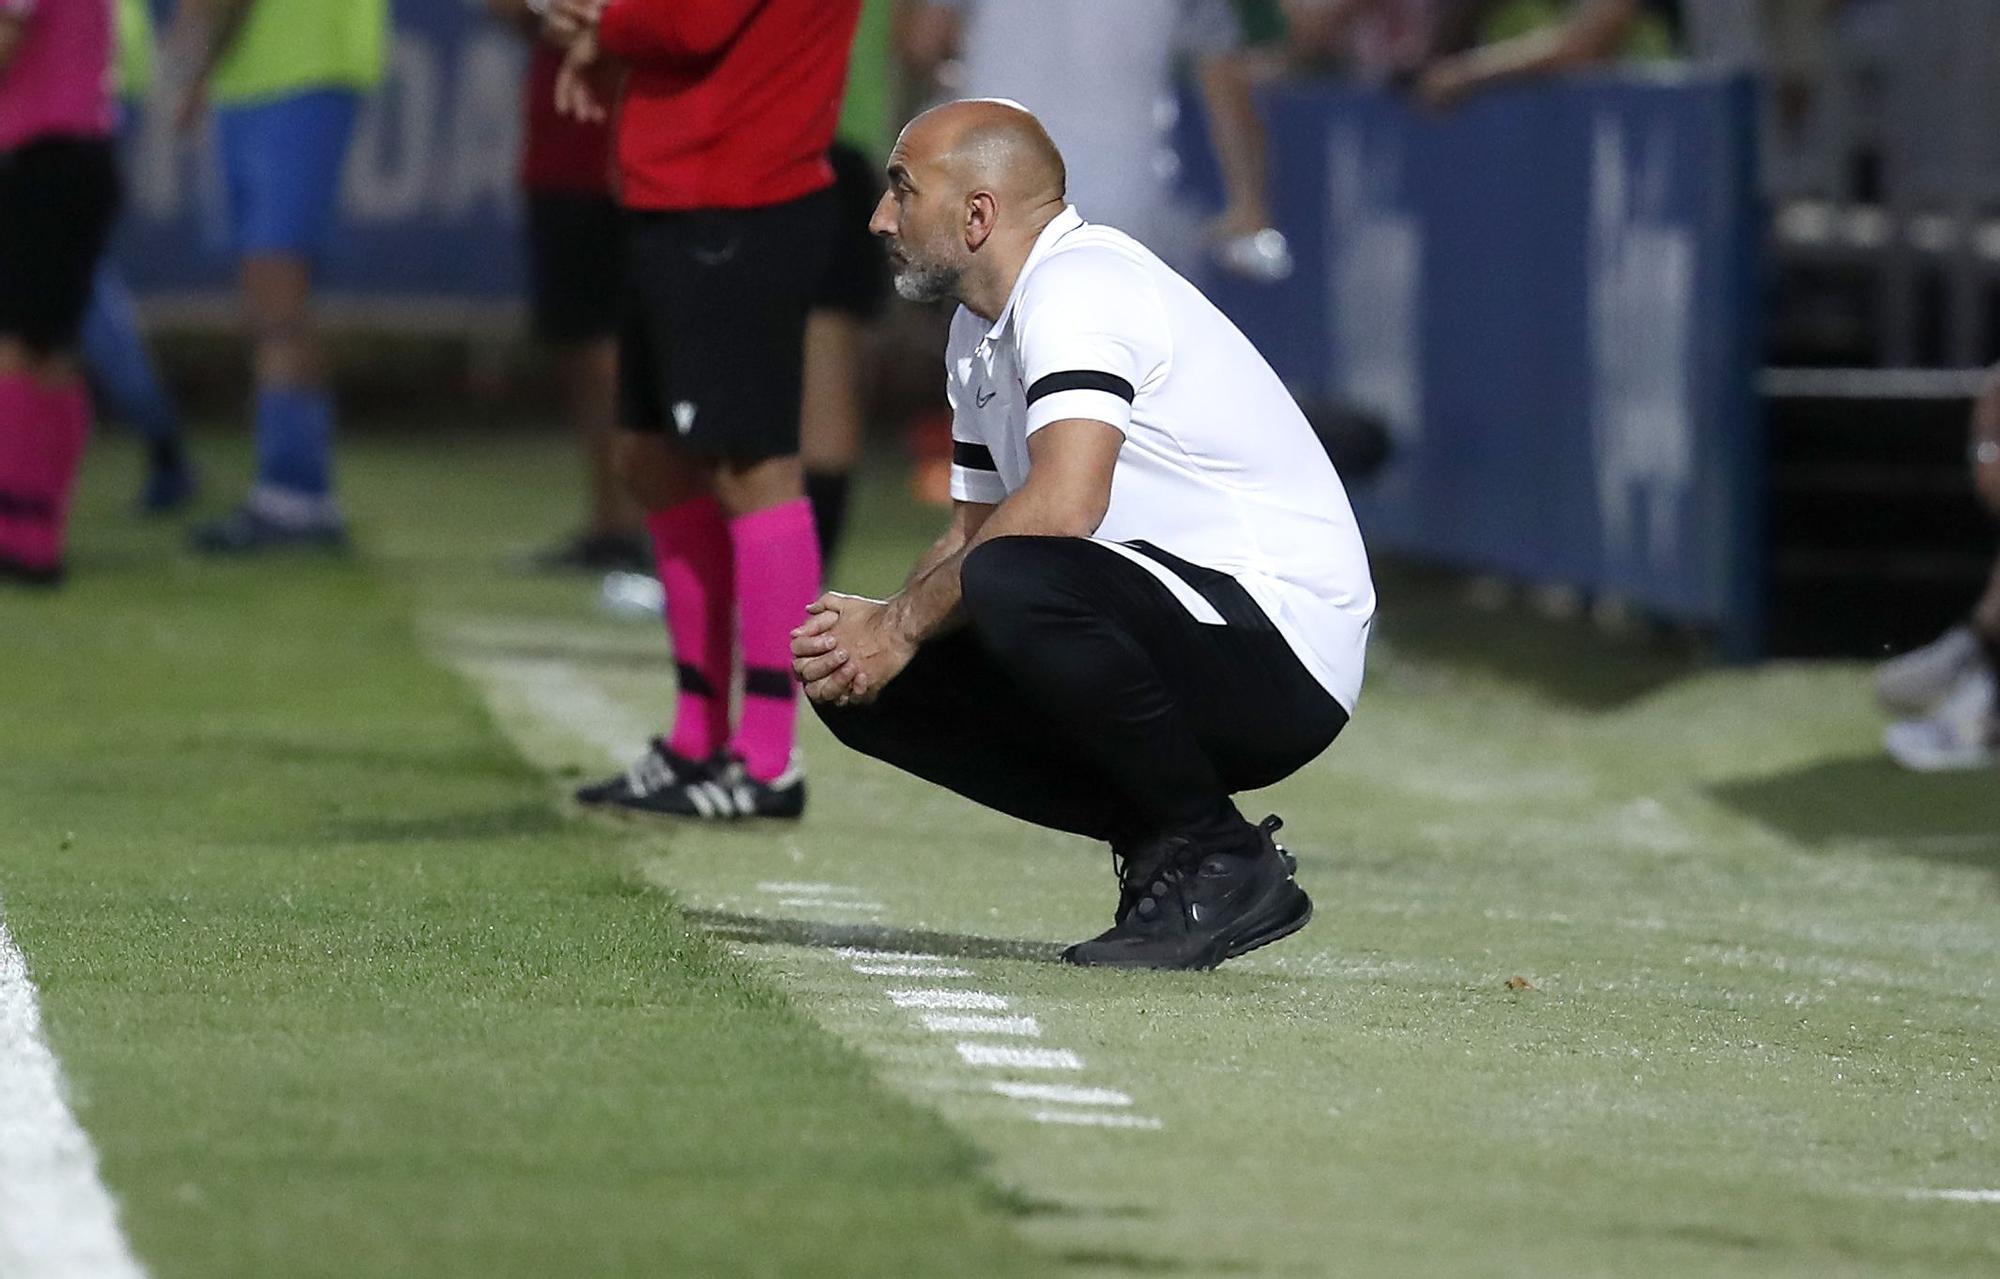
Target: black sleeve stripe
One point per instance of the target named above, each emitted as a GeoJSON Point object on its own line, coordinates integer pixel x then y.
{"type": "Point", "coordinates": [1081, 380]}
{"type": "Point", "coordinates": [972, 457]}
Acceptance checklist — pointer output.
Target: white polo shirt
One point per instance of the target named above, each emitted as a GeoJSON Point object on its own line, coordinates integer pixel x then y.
{"type": "Point", "coordinates": [1219, 468]}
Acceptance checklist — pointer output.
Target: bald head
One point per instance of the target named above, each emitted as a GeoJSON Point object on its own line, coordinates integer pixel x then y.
{"type": "Point", "coordinates": [988, 144]}
{"type": "Point", "coordinates": [971, 184]}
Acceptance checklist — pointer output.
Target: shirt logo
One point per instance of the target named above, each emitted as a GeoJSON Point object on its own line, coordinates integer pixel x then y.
{"type": "Point", "coordinates": [684, 411]}
{"type": "Point", "coordinates": [984, 397]}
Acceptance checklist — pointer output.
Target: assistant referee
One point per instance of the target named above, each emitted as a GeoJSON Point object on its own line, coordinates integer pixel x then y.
{"type": "Point", "coordinates": [1152, 594]}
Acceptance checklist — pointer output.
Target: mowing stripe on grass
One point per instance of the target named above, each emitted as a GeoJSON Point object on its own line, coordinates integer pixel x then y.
{"type": "Point", "coordinates": [56, 1218]}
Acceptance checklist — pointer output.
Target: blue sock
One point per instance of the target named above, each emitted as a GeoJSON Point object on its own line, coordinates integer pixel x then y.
{"type": "Point", "coordinates": [121, 368]}
{"type": "Point", "coordinates": [295, 440]}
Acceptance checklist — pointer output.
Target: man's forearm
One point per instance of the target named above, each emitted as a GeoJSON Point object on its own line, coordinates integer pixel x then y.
{"type": "Point", "coordinates": [928, 606]}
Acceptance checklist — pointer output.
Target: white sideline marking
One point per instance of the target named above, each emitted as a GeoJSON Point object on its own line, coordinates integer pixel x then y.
{"type": "Point", "coordinates": [1092, 1119]}
{"type": "Point", "coordinates": [828, 903]}
{"type": "Point", "coordinates": [947, 999]}
{"type": "Point", "coordinates": [973, 1024]}
{"type": "Point", "coordinates": [806, 890]}
{"type": "Point", "coordinates": [1959, 1196]}
{"type": "Point", "coordinates": [1019, 1058]}
{"type": "Point", "coordinates": [909, 970]}
{"type": "Point", "coordinates": [887, 956]}
{"type": "Point", "coordinates": [1062, 1094]}
{"type": "Point", "coordinates": [56, 1217]}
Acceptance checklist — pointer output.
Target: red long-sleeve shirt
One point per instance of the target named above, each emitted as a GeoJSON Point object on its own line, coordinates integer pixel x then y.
{"type": "Point", "coordinates": [730, 104]}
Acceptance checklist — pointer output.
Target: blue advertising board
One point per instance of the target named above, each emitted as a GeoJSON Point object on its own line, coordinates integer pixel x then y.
{"type": "Point", "coordinates": [1551, 298]}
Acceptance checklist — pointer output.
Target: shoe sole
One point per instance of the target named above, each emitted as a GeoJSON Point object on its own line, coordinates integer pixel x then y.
{"type": "Point", "coordinates": [1298, 913]}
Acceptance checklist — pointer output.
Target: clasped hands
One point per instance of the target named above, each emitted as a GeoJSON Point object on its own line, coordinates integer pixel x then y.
{"type": "Point", "coordinates": [848, 649]}
{"type": "Point", "coordinates": [583, 89]}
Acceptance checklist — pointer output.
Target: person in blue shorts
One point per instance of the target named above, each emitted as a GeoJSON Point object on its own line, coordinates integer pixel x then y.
{"type": "Point", "coordinates": [285, 78]}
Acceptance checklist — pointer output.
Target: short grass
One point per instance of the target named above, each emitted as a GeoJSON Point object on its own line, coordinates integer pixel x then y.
{"type": "Point", "coordinates": [342, 988]}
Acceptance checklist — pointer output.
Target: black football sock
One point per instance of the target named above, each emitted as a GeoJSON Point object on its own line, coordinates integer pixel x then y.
{"type": "Point", "coordinates": [827, 491]}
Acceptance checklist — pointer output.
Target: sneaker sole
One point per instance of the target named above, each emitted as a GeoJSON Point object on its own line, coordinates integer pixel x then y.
{"type": "Point", "coordinates": [1296, 912]}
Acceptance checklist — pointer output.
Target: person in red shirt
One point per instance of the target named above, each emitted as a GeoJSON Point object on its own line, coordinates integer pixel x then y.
{"type": "Point", "coordinates": [575, 235]}
{"type": "Point", "coordinates": [727, 110]}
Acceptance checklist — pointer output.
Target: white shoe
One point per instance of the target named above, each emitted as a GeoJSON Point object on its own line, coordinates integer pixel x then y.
{"type": "Point", "coordinates": [1919, 681]}
{"type": "Point", "coordinates": [1963, 734]}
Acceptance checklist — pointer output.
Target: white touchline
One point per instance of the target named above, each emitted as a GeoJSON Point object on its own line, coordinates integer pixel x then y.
{"type": "Point", "coordinates": [974, 1024]}
{"type": "Point", "coordinates": [1959, 1196]}
{"type": "Point", "coordinates": [887, 956]}
{"type": "Point", "coordinates": [947, 999]}
{"type": "Point", "coordinates": [1019, 1058]}
{"type": "Point", "coordinates": [1090, 1119]}
{"type": "Point", "coordinates": [806, 890]}
{"type": "Point", "coordinates": [909, 970]}
{"type": "Point", "coordinates": [1062, 1094]}
{"type": "Point", "coordinates": [56, 1218]}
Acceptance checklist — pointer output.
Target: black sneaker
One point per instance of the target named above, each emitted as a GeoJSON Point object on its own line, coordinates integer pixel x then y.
{"type": "Point", "coordinates": [1181, 908]}
{"type": "Point", "coordinates": [249, 531]}
{"type": "Point", "coordinates": [597, 553]}
{"type": "Point", "coordinates": [731, 793]}
{"type": "Point", "coordinates": [660, 771]}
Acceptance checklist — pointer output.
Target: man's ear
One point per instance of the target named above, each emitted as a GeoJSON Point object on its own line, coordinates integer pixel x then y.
{"type": "Point", "coordinates": [982, 216]}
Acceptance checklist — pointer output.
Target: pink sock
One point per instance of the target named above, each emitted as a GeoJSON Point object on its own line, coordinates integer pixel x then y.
{"type": "Point", "coordinates": [777, 575]}
{"type": "Point", "coordinates": [42, 433]}
{"type": "Point", "coordinates": [691, 548]}
{"type": "Point", "coordinates": [20, 411]}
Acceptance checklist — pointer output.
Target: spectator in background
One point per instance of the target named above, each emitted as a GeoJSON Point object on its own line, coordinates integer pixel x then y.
{"type": "Point", "coordinates": [1947, 688]}
{"type": "Point", "coordinates": [575, 274]}
{"type": "Point", "coordinates": [1381, 41]}
{"type": "Point", "coordinates": [58, 196]}
{"type": "Point", "coordinates": [726, 114]}
{"type": "Point", "coordinates": [1100, 78]}
{"type": "Point", "coordinates": [1516, 40]}
{"type": "Point", "coordinates": [286, 77]}
{"type": "Point", "coordinates": [116, 360]}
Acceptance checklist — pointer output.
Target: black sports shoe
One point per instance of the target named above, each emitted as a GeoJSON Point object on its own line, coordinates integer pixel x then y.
{"type": "Point", "coordinates": [597, 553]}
{"type": "Point", "coordinates": [1181, 908]}
{"type": "Point", "coordinates": [734, 793]}
{"type": "Point", "coordinates": [659, 771]}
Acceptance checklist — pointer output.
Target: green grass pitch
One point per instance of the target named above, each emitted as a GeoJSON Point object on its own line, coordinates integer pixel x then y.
{"type": "Point", "coordinates": [340, 984]}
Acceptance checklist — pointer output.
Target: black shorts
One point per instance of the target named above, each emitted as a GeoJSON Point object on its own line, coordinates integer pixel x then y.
{"type": "Point", "coordinates": [58, 199]}
{"type": "Point", "coordinates": [856, 280]}
{"type": "Point", "coordinates": [576, 262]}
{"type": "Point", "coordinates": [711, 343]}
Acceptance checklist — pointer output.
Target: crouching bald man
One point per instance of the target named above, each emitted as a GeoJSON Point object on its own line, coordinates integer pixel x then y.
{"type": "Point", "coordinates": [1152, 594]}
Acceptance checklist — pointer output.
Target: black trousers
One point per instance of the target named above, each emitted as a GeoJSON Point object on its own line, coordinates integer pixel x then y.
{"type": "Point", "coordinates": [1082, 696]}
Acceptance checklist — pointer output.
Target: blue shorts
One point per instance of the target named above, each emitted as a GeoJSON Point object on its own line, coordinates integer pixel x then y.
{"type": "Point", "coordinates": [281, 165]}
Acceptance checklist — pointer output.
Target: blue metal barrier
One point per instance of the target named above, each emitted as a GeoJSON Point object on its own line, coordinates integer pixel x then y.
{"type": "Point", "coordinates": [1552, 297]}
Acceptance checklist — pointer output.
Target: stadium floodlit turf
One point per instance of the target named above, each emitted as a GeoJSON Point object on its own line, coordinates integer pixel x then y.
{"type": "Point", "coordinates": [1622, 964]}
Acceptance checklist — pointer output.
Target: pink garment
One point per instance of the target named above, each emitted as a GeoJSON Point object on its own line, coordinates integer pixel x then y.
{"type": "Point", "coordinates": [691, 550]}
{"type": "Point", "coordinates": [777, 575]}
{"type": "Point", "coordinates": [42, 435]}
{"type": "Point", "coordinates": [59, 83]}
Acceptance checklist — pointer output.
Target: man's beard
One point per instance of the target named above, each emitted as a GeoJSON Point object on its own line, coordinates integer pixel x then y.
{"type": "Point", "coordinates": [927, 281]}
